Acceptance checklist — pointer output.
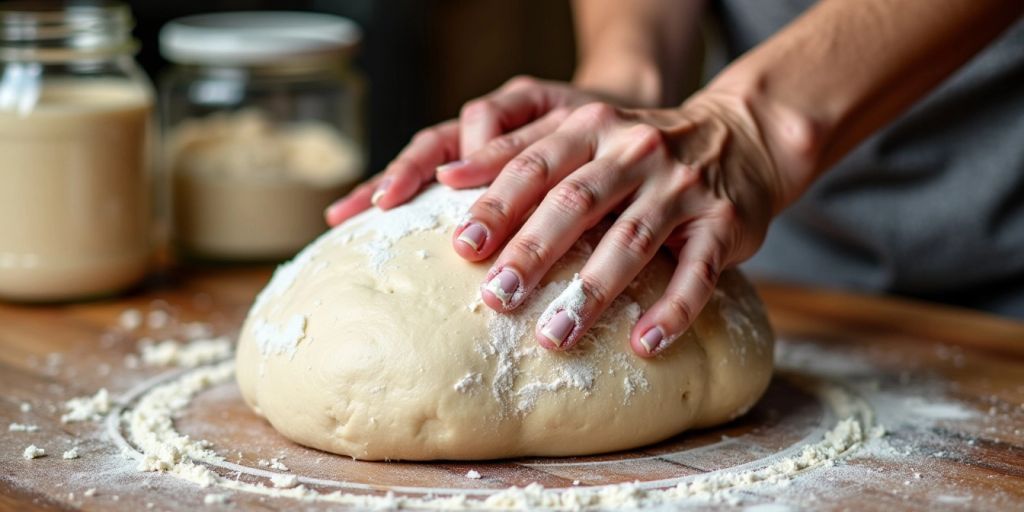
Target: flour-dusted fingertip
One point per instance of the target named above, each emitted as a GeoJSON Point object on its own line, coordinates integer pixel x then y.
{"type": "Point", "coordinates": [505, 286]}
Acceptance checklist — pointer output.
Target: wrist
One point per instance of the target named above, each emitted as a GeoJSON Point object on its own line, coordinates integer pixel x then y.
{"type": "Point", "coordinates": [629, 80]}
{"type": "Point", "coordinates": [792, 135]}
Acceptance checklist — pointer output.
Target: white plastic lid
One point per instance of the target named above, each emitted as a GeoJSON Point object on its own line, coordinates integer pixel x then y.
{"type": "Point", "coordinates": [255, 37]}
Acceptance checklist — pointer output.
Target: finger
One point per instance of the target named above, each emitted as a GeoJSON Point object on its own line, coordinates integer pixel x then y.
{"type": "Point", "coordinates": [524, 181]}
{"type": "Point", "coordinates": [516, 191]}
{"type": "Point", "coordinates": [570, 208]}
{"type": "Point", "coordinates": [481, 167]}
{"type": "Point", "coordinates": [518, 102]}
{"type": "Point", "coordinates": [355, 202]}
{"type": "Point", "coordinates": [700, 262]}
{"type": "Point", "coordinates": [623, 252]}
{"type": "Point", "coordinates": [416, 164]}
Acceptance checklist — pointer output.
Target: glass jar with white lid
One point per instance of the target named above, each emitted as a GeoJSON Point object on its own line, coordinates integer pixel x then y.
{"type": "Point", "coordinates": [75, 180]}
{"type": "Point", "coordinates": [262, 129]}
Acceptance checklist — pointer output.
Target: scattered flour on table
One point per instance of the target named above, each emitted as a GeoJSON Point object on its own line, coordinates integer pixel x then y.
{"type": "Point", "coordinates": [474, 474]}
{"type": "Point", "coordinates": [274, 463]}
{"type": "Point", "coordinates": [215, 499]}
{"type": "Point", "coordinates": [130, 319]}
{"type": "Point", "coordinates": [87, 408]}
{"type": "Point", "coordinates": [22, 427]}
{"type": "Point", "coordinates": [191, 354]}
{"type": "Point", "coordinates": [33, 452]}
{"type": "Point", "coordinates": [70, 454]}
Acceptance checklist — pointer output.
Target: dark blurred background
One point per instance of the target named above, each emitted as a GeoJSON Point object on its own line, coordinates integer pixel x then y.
{"type": "Point", "coordinates": [422, 59]}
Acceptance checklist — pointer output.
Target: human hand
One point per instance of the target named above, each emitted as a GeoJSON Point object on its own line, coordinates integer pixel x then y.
{"type": "Point", "coordinates": [471, 150]}
{"type": "Point", "coordinates": [697, 179]}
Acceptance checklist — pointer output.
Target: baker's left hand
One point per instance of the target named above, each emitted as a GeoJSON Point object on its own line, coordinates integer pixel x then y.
{"type": "Point", "coordinates": [697, 179]}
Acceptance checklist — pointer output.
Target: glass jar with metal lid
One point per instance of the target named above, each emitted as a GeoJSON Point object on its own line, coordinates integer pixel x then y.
{"type": "Point", "coordinates": [262, 129]}
{"type": "Point", "coordinates": [75, 208]}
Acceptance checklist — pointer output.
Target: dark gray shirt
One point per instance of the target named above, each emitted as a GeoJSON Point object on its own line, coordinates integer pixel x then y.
{"type": "Point", "coordinates": [931, 206]}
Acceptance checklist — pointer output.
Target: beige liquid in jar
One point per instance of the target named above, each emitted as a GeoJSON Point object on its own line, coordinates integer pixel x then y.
{"type": "Point", "coordinates": [74, 192]}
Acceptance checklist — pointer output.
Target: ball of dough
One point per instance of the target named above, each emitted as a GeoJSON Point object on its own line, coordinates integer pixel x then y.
{"type": "Point", "coordinates": [373, 343]}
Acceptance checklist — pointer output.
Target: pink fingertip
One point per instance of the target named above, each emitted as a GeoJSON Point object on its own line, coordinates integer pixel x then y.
{"type": "Point", "coordinates": [651, 340]}
{"type": "Point", "coordinates": [558, 328]}
{"type": "Point", "coordinates": [451, 166]}
{"type": "Point", "coordinates": [474, 236]}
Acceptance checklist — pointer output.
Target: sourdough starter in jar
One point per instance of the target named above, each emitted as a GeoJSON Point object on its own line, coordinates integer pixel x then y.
{"type": "Point", "coordinates": [74, 166]}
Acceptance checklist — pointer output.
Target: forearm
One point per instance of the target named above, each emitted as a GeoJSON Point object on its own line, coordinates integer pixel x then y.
{"type": "Point", "coordinates": [637, 50]}
{"type": "Point", "coordinates": [846, 68]}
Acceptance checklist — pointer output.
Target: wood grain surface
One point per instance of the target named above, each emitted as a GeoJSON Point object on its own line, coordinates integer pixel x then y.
{"type": "Point", "coordinates": [971, 457]}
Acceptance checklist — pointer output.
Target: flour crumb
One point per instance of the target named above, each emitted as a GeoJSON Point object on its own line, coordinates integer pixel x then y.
{"type": "Point", "coordinates": [130, 319]}
{"type": "Point", "coordinates": [284, 481]}
{"type": "Point", "coordinates": [87, 408]}
{"type": "Point", "coordinates": [575, 482]}
{"type": "Point", "coordinates": [278, 465]}
{"type": "Point", "coordinates": [90, 492]}
{"type": "Point", "coordinates": [157, 319]}
{"type": "Point", "coordinates": [21, 427]}
{"type": "Point", "coordinates": [187, 355]}
{"type": "Point", "coordinates": [215, 499]}
{"type": "Point", "coordinates": [474, 474]}
{"type": "Point", "coordinates": [70, 454]}
{"type": "Point", "coordinates": [26, 407]}
{"type": "Point", "coordinates": [33, 452]}
{"type": "Point", "coordinates": [422, 254]}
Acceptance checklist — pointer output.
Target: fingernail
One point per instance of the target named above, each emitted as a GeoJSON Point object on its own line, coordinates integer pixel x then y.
{"type": "Point", "coordinates": [559, 328]}
{"type": "Point", "coordinates": [382, 189]}
{"type": "Point", "coordinates": [652, 338]}
{"type": "Point", "coordinates": [451, 166]}
{"type": "Point", "coordinates": [503, 286]}
{"type": "Point", "coordinates": [474, 236]}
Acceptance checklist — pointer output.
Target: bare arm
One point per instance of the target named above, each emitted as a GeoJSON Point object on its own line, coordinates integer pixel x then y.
{"type": "Point", "coordinates": [846, 68]}
{"type": "Point", "coordinates": [636, 50]}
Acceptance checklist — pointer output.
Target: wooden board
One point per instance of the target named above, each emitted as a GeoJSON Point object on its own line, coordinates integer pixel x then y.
{"type": "Point", "coordinates": [948, 384]}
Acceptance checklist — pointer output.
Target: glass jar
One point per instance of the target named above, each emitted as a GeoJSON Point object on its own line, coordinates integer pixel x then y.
{"type": "Point", "coordinates": [75, 218]}
{"type": "Point", "coordinates": [262, 129]}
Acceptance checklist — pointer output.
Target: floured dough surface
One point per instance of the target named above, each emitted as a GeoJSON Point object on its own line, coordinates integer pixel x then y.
{"type": "Point", "coordinates": [373, 343]}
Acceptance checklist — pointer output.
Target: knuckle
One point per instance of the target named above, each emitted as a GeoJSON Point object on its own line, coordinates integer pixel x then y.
{"type": "Point", "coordinates": [427, 135]}
{"type": "Point", "coordinates": [560, 113]}
{"type": "Point", "coordinates": [704, 270]}
{"type": "Point", "coordinates": [574, 196]}
{"type": "Point", "coordinates": [635, 236]}
{"type": "Point", "coordinates": [521, 82]}
{"type": "Point", "coordinates": [507, 143]}
{"type": "Point", "coordinates": [477, 108]}
{"type": "Point", "coordinates": [596, 290]}
{"type": "Point", "coordinates": [528, 167]}
{"type": "Point", "coordinates": [529, 251]}
{"type": "Point", "coordinates": [682, 178]}
{"type": "Point", "coordinates": [645, 138]}
{"type": "Point", "coordinates": [494, 209]}
{"type": "Point", "coordinates": [680, 308]}
{"type": "Point", "coordinates": [596, 113]}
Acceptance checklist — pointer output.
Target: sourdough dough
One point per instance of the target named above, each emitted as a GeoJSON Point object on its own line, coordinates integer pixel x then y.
{"type": "Point", "coordinates": [373, 343]}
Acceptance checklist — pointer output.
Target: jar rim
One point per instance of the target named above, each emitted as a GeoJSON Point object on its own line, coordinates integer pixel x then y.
{"type": "Point", "coordinates": [47, 30]}
{"type": "Point", "coordinates": [257, 37]}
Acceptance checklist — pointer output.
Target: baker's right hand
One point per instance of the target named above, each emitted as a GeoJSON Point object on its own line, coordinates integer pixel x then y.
{"type": "Point", "coordinates": [471, 150]}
